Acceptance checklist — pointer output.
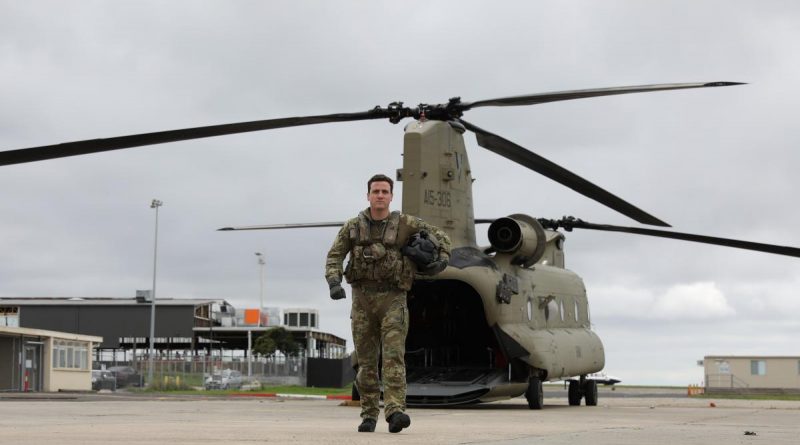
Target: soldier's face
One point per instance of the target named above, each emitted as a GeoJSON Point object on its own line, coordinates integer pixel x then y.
{"type": "Point", "coordinates": [380, 195]}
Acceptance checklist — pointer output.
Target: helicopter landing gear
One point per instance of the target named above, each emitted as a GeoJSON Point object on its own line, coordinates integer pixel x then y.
{"type": "Point", "coordinates": [535, 393]}
{"type": "Point", "coordinates": [590, 392]}
{"type": "Point", "coordinates": [574, 393]}
{"type": "Point", "coordinates": [582, 389]}
{"type": "Point", "coordinates": [354, 394]}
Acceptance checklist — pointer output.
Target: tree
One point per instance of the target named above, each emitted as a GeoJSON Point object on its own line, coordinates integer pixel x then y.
{"type": "Point", "coordinates": [265, 345]}
{"type": "Point", "coordinates": [276, 339]}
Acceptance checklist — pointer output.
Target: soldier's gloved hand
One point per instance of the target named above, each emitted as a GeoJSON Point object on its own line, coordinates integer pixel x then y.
{"type": "Point", "coordinates": [436, 266]}
{"type": "Point", "coordinates": [337, 292]}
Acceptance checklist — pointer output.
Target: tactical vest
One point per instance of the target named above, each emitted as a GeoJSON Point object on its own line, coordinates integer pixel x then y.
{"type": "Point", "coordinates": [378, 259]}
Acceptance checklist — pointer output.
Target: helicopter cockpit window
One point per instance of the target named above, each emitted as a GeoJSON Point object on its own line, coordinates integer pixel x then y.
{"type": "Point", "coordinates": [577, 317]}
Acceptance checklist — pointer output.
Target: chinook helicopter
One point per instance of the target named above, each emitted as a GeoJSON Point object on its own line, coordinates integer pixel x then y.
{"type": "Point", "coordinates": [500, 319]}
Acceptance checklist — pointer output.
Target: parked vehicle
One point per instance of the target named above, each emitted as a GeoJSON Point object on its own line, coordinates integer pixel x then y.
{"type": "Point", "coordinates": [103, 379]}
{"type": "Point", "coordinates": [126, 376]}
{"type": "Point", "coordinates": [225, 379]}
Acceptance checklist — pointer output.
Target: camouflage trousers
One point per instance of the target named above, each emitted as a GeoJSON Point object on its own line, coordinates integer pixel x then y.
{"type": "Point", "coordinates": [380, 325]}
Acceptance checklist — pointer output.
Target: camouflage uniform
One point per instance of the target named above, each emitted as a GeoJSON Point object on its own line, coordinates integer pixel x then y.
{"type": "Point", "coordinates": [380, 277]}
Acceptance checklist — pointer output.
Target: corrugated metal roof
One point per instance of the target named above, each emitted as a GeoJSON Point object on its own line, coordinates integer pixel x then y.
{"type": "Point", "coordinates": [747, 357]}
{"type": "Point", "coordinates": [103, 301]}
{"type": "Point", "coordinates": [8, 330]}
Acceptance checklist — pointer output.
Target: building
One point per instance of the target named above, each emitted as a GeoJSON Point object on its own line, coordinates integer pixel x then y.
{"type": "Point", "coordinates": [300, 317]}
{"type": "Point", "coordinates": [187, 326]}
{"type": "Point", "coordinates": [728, 373]}
{"type": "Point", "coordinates": [42, 360]}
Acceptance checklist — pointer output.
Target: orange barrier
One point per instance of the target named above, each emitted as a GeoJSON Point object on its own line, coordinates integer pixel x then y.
{"type": "Point", "coordinates": [695, 390]}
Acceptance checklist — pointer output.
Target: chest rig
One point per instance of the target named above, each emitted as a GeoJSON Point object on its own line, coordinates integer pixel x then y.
{"type": "Point", "coordinates": [375, 255]}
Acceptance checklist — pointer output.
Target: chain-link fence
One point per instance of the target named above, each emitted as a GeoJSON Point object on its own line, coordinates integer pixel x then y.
{"type": "Point", "coordinates": [194, 371]}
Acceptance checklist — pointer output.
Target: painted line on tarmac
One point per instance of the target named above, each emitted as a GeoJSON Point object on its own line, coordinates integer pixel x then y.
{"type": "Point", "coordinates": [294, 396]}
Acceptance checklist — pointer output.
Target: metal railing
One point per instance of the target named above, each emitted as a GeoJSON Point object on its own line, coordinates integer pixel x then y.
{"type": "Point", "coordinates": [724, 381]}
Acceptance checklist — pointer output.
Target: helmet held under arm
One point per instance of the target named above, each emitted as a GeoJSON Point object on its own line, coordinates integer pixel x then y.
{"type": "Point", "coordinates": [422, 249]}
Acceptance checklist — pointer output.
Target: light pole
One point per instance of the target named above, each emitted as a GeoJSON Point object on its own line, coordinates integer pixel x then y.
{"type": "Point", "coordinates": [153, 205]}
{"type": "Point", "coordinates": [261, 264]}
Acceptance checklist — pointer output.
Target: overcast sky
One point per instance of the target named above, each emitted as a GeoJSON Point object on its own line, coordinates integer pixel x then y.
{"type": "Point", "coordinates": [719, 162]}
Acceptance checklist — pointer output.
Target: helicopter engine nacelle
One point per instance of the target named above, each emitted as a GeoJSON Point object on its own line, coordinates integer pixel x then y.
{"type": "Point", "coordinates": [519, 235]}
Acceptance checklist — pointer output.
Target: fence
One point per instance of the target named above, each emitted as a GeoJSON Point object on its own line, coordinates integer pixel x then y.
{"type": "Point", "coordinates": [276, 370]}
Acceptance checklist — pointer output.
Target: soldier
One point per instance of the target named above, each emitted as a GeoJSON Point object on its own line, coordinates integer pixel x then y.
{"type": "Point", "coordinates": [380, 276]}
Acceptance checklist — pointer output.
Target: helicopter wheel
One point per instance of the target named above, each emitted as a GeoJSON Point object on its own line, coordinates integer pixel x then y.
{"type": "Point", "coordinates": [535, 393]}
{"type": "Point", "coordinates": [574, 394]}
{"type": "Point", "coordinates": [590, 392]}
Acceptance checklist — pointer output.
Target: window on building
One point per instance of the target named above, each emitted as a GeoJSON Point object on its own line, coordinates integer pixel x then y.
{"type": "Point", "coordinates": [70, 354]}
{"type": "Point", "coordinates": [304, 319]}
{"type": "Point", "coordinates": [292, 320]}
{"type": "Point", "coordinates": [313, 320]}
{"type": "Point", "coordinates": [758, 367]}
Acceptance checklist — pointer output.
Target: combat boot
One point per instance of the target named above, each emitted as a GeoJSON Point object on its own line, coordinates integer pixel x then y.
{"type": "Point", "coordinates": [367, 426]}
{"type": "Point", "coordinates": [398, 421]}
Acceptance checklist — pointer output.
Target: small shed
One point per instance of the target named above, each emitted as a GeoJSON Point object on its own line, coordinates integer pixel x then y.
{"type": "Point", "coordinates": [41, 360]}
{"type": "Point", "coordinates": [755, 373]}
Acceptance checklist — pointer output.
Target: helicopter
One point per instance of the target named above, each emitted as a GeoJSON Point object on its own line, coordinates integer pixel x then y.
{"type": "Point", "coordinates": [501, 319]}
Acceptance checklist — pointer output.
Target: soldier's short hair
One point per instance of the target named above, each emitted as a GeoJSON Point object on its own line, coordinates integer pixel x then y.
{"type": "Point", "coordinates": [380, 178]}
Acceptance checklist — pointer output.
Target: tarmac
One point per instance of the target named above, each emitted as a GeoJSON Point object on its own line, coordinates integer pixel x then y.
{"type": "Point", "coordinates": [623, 416]}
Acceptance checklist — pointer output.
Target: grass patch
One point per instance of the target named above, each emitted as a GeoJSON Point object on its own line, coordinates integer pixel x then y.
{"type": "Point", "coordinates": [622, 387]}
{"type": "Point", "coordinates": [787, 397]}
{"type": "Point", "coordinates": [170, 383]}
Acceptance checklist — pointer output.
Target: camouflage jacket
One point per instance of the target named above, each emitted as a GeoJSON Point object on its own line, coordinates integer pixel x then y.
{"type": "Point", "coordinates": [376, 257]}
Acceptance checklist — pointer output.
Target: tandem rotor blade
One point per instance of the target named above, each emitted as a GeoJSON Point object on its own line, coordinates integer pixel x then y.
{"type": "Point", "coordinates": [395, 112]}
{"type": "Point", "coordinates": [527, 158]}
{"type": "Point", "coordinates": [67, 149]}
{"type": "Point", "coordinates": [572, 223]}
{"type": "Point", "coordinates": [285, 226]}
{"type": "Point", "coordinates": [541, 98]}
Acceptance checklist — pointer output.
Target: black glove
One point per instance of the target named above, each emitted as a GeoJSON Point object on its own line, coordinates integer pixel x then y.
{"type": "Point", "coordinates": [337, 293]}
{"type": "Point", "coordinates": [435, 267]}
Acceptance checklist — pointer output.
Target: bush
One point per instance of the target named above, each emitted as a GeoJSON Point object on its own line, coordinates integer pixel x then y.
{"type": "Point", "coordinates": [169, 383]}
